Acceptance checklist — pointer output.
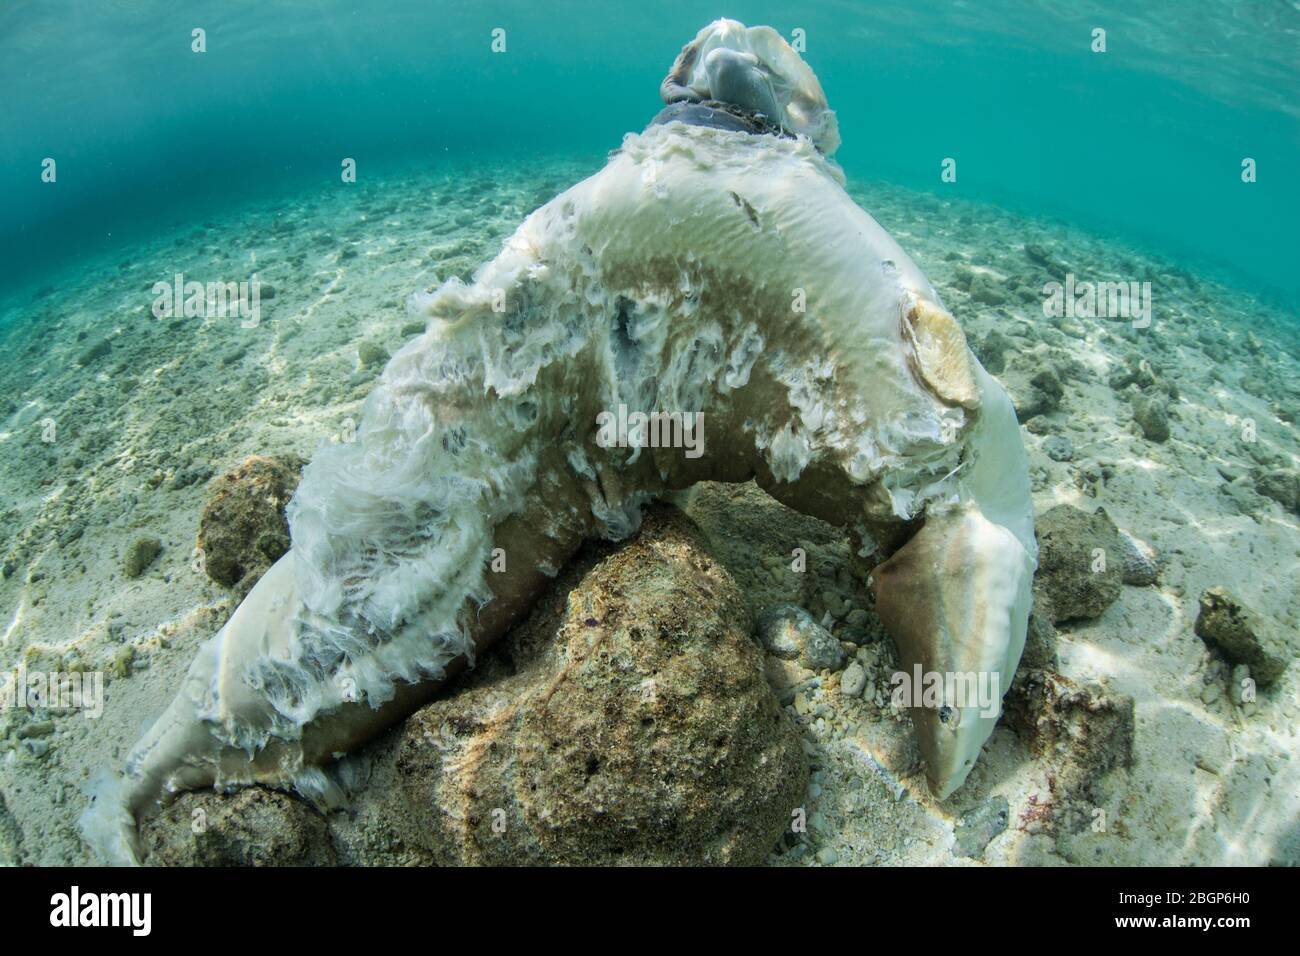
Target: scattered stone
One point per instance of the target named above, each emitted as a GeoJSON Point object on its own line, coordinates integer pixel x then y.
{"type": "Point", "coordinates": [858, 617]}
{"type": "Point", "coordinates": [36, 728]}
{"type": "Point", "coordinates": [1282, 485]}
{"type": "Point", "coordinates": [1039, 255]}
{"type": "Point", "coordinates": [991, 351]}
{"type": "Point", "coordinates": [828, 856]}
{"type": "Point", "coordinates": [243, 529]}
{"type": "Point", "coordinates": [36, 748]}
{"type": "Point", "coordinates": [1241, 496]}
{"type": "Point", "coordinates": [1080, 564]}
{"type": "Point", "coordinates": [120, 664]}
{"type": "Point", "coordinates": [863, 626]}
{"type": "Point", "coordinates": [252, 827]}
{"type": "Point", "coordinates": [790, 632]}
{"type": "Point", "coordinates": [71, 532]}
{"type": "Point", "coordinates": [98, 350]}
{"type": "Point", "coordinates": [1091, 475]}
{"type": "Point", "coordinates": [1043, 395]}
{"type": "Point", "coordinates": [1058, 448]}
{"type": "Point", "coordinates": [1135, 371]}
{"type": "Point", "coordinates": [985, 290]}
{"type": "Point", "coordinates": [370, 354]}
{"type": "Point", "coordinates": [1238, 683]}
{"type": "Point", "coordinates": [1040, 638]}
{"type": "Point", "coordinates": [1243, 636]}
{"type": "Point", "coordinates": [413, 328]}
{"type": "Point", "coordinates": [1081, 732]}
{"type": "Point", "coordinates": [140, 555]}
{"type": "Point", "coordinates": [11, 837]}
{"type": "Point", "coordinates": [1139, 561]}
{"type": "Point", "coordinates": [628, 720]}
{"type": "Point", "coordinates": [190, 475]}
{"type": "Point", "coordinates": [976, 830]}
{"type": "Point", "coordinates": [230, 358]}
{"type": "Point", "coordinates": [1152, 415]}
{"type": "Point", "coordinates": [853, 680]}
{"type": "Point", "coordinates": [1049, 383]}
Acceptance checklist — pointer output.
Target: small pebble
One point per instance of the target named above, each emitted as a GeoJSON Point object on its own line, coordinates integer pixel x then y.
{"type": "Point", "coordinates": [1058, 448]}
{"type": "Point", "coordinates": [853, 680]}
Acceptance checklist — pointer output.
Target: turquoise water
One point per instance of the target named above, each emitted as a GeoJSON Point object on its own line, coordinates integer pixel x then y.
{"type": "Point", "coordinates": [1143, 142]}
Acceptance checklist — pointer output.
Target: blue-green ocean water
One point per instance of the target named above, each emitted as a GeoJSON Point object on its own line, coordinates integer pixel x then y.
{"type": "Point", "coordinates": [1144, 141]}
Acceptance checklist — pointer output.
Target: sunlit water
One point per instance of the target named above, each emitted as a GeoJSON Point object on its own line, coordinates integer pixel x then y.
{"type": "Point", "coordinates": [1144, 140]}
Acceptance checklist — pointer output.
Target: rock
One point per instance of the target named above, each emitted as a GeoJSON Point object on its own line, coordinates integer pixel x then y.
{"type": "Point", "coordinates": [1040, 638]}
{"type": "Point", "coordinates": [976, 830]}
{"type": "Point", "coordinates": [1243, 636]}
{"type": "Point", "coordinates": [1152, 415]}
{"type": "Point", "coordinates": [1039, 255]}
{"type": "Point", "coordinates": [1079, 732]}
{"type": "Point", "coordinates": [1058, 448]}
{"type": "Point", "coordinates": [119, 664]}
{"type": "Point", "coordinates": [11, 837]}
{"type": "Point", "coordinates": [1230, 470]}
{"type": "Point", "coordinates": [140, 555]}
{"type": "Point", "coordinates": [1238, 684]}
{"type": "Point", "coordinates": [853, 680]}
{"type": "Point", "coordinates": [1138, 560]}
{"type": "Point", "coordinates": [1049, 383]}
{"type": "Point", "coordinates": [1091, 475]}
{"type": "Point", "coordinates": [991, 351]}
{"type": "Point", "coordinates": [252, 827]}
{"type": "Point", "coordinates": [370, 354]}
{"type": "Point", "coordinates": [863, 626]}
{"type": "Point", "coordinates": [828, 856]}
{"type": "Point", "coordinates": [1282, 485]}
{"type": "Point", "coordinates": [1136, 371]}
{"type": "Point", "coordinates": [189, 475]}
{"type": "Point", "coordinates": [36, 748]}
{"type": "Point", "coordinates": [790, 632]}
{"type": "Point", "coordinates": [627, 721]}
{"type": "Point", "coordinates": [1043, 395]}
{"type": "Point", "coordinates": [71, 532]}
{"type": "Point", "coordinates": [36, 728]}
{"type": "Point", "coordinates": [1080, 565]}
{"type": "Point", "coordinates": [985, 290]}
{"type": "Point", "coordinates": [98, 350]}
{"type": "Point", "coordinates": [1241, 496]}
{"type": "Point", "coordinates": [243, 529]}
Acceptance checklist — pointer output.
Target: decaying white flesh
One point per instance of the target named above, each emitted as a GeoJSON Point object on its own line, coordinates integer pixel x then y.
{"type": "Point", "coordinates": [701, 270]}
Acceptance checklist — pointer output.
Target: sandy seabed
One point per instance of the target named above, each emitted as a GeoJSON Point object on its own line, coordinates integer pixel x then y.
{"type": "Point", "coordinates": [113, 421]}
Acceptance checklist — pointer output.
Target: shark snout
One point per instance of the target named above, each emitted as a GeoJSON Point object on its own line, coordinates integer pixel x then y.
{"type": "Point", "coordinates": [739, 78]}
